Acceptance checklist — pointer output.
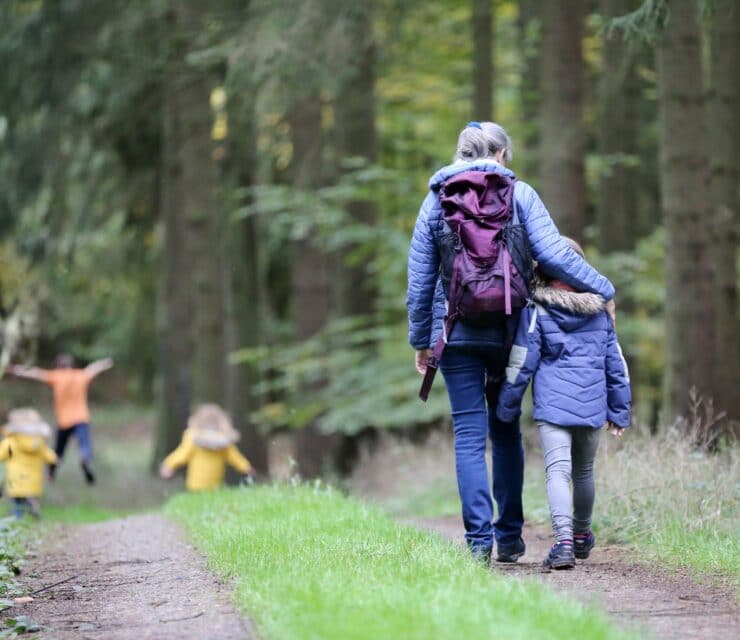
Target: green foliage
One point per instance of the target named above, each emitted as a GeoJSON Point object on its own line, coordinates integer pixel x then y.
{"type": "Point", "coordinates": [295, 558]}
{"type": "Point", "coordinates": [18, 625]}
{"type": "Point", "coordinates": [81, 133]}
{"type": "Point", "coordinates": [10, 559]}
{"type": "Point", "coordinates": [371, 381]}
{"type": "Point", "coordinates": [644, 23]}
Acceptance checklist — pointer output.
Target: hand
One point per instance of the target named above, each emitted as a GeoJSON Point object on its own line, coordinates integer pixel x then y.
{"type": "Point", "coordinates": [616, 431]}
{"type": "Point", "coordinates": [422, 357]}
{"type": "Point", "coordinates": [611, 309]}
{"type": "Point", "coordinates": [165, 472]}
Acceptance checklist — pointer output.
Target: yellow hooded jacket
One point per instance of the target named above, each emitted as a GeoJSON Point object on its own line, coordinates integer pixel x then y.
{"type": "Point", "coordinates": [206, 467]}
{"type": "Point", "coordinates": [25, 456]}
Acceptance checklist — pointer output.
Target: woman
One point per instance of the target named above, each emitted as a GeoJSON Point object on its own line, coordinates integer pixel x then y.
{"type": "Point", "coordinates": [474, 354]}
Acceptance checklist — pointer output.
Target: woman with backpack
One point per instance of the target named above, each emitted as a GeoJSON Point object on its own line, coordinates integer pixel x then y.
{"type": "Point", "coordinates": [477, 216]}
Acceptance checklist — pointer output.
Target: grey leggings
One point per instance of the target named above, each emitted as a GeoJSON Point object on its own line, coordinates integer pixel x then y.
{"type": "Point", "coordinates": [569, 453]}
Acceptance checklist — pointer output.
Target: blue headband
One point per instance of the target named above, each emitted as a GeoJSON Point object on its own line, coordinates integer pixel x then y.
{"type": "Point", "coordinates": [474, 124]}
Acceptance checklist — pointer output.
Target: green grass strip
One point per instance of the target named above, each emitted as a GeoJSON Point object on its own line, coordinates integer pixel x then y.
{"type": "Point", "coordinates": [307, 562]}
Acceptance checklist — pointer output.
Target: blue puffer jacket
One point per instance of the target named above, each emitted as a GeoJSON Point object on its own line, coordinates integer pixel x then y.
{"type": "Point", "coordinates": [567, 342]}
{"type": "Point", "coordinates": [425, 298]}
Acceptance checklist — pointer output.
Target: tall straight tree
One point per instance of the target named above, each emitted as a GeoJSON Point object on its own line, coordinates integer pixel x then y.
{"type": "Point", "coordinates": [482, 23]}
{"type": "Point", "coordinates": [529, 27]}
{"type": "Point", "coordinates": [244, 288]}
{"type": "Point", "coordinates": [617, 213]}
{"type": "Point", "coordinates": [562, 137]}
{"type": "Point", "coordinates": [310, 278]}
{"type": "Point", "coordinates": [354, 111]}
{"type": "Point", "coordinates": [724, 160]}
{"type": "Point", "coordinates": [684, 182]}
{"type": "Point", "coordinates": [180, 107]}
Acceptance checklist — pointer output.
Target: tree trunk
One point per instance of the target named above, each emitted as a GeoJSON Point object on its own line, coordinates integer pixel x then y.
{"type": "Point", "coordinates": [482, 19]}
{"type": "Point", "coordinates": [562, 139]}
{"type": "Point", "coordinates": [530, 98]}
{"type": "Point", "coordinates": [724, 162]}
{"type": "Point", "coordinates": [176, 312]}
{"type": "Point", "coordinates": [205, 218]}
{"type": "Point", "coordinates": [619, 182]}
{"type": "Point", "coordinates": [310, 282]}
{"type": "Point", "coordinates": [356, 138]}
{"type": "Point", "coordinates": [245, 299]}
{"type": "Point", "coordinates": [684, 182]}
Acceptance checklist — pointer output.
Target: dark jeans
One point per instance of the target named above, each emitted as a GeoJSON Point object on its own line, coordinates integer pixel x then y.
{"type": "Point", "coordinates": [465, 371]}
{"type": "Point", "coordinates": [21, 506]}
{"type": "Point", "coordinates": [82, 433]}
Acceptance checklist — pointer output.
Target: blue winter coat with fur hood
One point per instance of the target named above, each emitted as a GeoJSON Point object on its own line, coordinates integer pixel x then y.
{"type": "Point", "coordinates": [425, 297]}
{"type": "Point", "coordinates": [567, 343]}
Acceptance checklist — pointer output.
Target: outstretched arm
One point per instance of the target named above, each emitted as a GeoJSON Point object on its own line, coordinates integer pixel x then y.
{"type": "Point", "coordinates": [29, 373]}
{"type": "Point", "coordinates": [235, 458]}
{"type": "Point", "coordinates": [97, 367]}
{"type": "Point", "coordinates": [178, 458]}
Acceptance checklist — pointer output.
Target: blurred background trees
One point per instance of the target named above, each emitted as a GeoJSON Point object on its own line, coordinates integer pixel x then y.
{"type": "Point", "coordinates": [220, 195]}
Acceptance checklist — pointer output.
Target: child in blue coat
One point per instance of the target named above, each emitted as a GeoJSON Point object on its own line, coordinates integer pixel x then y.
{"type": "Point", "coordinates": [566, 342]}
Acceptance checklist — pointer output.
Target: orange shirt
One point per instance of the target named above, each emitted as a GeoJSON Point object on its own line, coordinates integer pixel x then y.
{"type": "Point", "coordinates": [70, 395]}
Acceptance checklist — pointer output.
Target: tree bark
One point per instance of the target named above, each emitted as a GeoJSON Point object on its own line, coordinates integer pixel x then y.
{"type": "Point", "coordinates": [724, 162]}
{"type": "Point", "coordinates": [204, 214]}
{"type": "Point", "coordinates": [617, 213]}
{"type": "Point", "coordinates": [482, 26]}
{"type": "Point", "coordinates": [684, 181]}
{"type": "Point", "coordinates": [356, 138]}
{"type": "Point", "coordinates": [310, 283]}
{"type": "Point", "coordinates": [176, 312]}
{"type": "Point", "coordinates": [530, 31]}
{"type": "Point", "coordinates": [562, 139]}
{"type": "Point", "coordinates": [245, 295]}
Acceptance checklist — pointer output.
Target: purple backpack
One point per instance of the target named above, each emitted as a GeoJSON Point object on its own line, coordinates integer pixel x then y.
{"type": "Point", "coordinates": [486, 258]}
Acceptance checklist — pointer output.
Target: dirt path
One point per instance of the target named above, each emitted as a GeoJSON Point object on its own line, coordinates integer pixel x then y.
{"type": "Point", "coordinates": [665, 605]}
{"type": "Point", "coordinates": [130, 578]}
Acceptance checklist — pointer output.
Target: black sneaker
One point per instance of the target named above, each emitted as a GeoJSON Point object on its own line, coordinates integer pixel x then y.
{"type": "Point", "coordinates": [561, 556]}
{"type": "Point", "coordinates": [583, 543]}
{"type": "Point", "coordinates": [510, 552]}
{"type": "Point", "coordinates": [89, 475]}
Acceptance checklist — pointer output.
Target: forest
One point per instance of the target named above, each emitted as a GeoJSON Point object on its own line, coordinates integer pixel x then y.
{"type": "Point", "coordinates": [220, 195]}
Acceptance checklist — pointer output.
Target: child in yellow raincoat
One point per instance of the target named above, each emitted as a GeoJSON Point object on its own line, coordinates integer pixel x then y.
{"type": "Point", "coordinates": [207, 446]}
{"type": "Point", "coordinates": [25, 452]}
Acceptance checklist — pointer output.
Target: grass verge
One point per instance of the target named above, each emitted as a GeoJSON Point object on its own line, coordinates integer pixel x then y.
{"type": "Point", "coordinates": [311, 563]}
{"type": "Point", "coordinates": [674, 502]}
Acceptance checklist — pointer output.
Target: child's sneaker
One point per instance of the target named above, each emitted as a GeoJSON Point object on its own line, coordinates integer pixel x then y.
{"type": "Point", "coordinates": [561, 556]}
{"type": "Point", "coordinates": [583, 543]}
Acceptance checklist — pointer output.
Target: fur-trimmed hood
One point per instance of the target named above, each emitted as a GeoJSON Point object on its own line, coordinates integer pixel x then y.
{"type": "Point", "coordinates": [210, 427]}
{"type": "Point", "coordinates": [569, 309]}
{"type": "Point", "coordinates": [587, 304]}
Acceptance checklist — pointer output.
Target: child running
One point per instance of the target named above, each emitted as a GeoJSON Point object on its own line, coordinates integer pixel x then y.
{"type": "Point", "coordinates": [567, 343]}
{"type": "Point", "coordinates": [69, 385]}
{"type": "Point", "coordinates": [208, 445]}
{"type": "Point", "coordinates": [24, 452]}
